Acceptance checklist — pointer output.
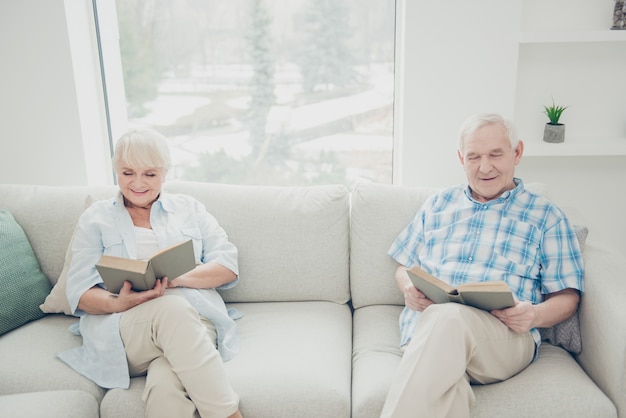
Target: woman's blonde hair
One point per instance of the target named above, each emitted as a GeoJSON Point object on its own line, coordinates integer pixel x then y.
{"type": "Point", "coordinates": [140, 148]}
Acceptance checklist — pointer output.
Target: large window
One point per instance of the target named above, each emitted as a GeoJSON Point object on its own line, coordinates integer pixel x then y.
{"type": "Point", "coordinates": [281, 92]}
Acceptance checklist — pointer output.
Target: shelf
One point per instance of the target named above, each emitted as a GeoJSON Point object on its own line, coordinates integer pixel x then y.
{"type": "Point", "coordinates": [573, 36]}
{"type": "Point", "coordinates": [577, 147]}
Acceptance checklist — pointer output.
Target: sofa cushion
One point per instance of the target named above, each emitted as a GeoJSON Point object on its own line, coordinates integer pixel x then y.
{"type": "Point", "coordinates": [555, 383]}
{"type": "Point", "coordinates": [379, 213]}
{"type": "Point", "coordinates": [286, 247]}
{"type": "Point", "coordinates": [24, 286]}
{"type": "Point", "coordinates": [58, 403]}
{"type": "Point", "coordinates": [299, 247]}
{"type": "Point", "coordinates": [302, 350]}
{"type": "Point", "coordinates": [375, 356]}
{"type": "Point", "coordinates": [28, 361]}
{"type": "Point", "coordinates": [48, 215]}
{"type": "Point", "coordinates": [295, 361]}
{"type": "Point", "coordinates": [56, 301]}
{"type": "Point", "coordinates": [124, 402]}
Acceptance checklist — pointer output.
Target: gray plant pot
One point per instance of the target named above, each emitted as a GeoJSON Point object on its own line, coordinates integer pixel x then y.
{"type": "Point", "coordinates": [554, 133]}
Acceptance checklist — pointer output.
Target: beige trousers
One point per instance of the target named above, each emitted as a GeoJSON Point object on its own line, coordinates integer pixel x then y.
{"type": "Point", "coordinates": [453, 346]}
{"type": "Point", "coordinates": [166, 340]}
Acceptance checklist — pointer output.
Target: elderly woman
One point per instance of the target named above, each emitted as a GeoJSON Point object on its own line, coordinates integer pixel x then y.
{"type": "Point", "coordinates": [168, 333]}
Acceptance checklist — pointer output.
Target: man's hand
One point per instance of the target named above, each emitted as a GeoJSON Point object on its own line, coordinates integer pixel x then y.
{"type": "Point", "coordinates": [519, 318]}
{"type": "Point", "coordinates": [415, 299]}
{"type": "Point", "coordinates": [556, 308]}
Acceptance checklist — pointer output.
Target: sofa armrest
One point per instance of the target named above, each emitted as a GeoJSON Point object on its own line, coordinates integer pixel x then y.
{"type": "Point", "coordinates": [603, 323]}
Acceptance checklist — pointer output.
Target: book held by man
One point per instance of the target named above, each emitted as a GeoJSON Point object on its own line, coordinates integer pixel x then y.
{"type": "Point", "coordinates": [172, 262]}
{"type": "Point", "coordinates": [482, 295]}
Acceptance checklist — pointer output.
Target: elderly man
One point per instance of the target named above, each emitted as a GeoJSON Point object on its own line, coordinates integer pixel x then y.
{"type": "Point", "coordinates": [490, 229]}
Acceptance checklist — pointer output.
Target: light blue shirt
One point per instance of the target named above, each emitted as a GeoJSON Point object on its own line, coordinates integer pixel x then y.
{"type": "Point", "coordinates": [106, 228]}
{"type": "Point", "coordinates": [520, 237]}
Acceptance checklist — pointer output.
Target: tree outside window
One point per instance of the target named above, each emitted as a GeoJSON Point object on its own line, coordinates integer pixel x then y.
{"type": "Point", "coordinates": [280, 92]}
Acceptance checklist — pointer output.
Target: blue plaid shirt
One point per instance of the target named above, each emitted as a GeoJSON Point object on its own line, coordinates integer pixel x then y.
{"type": "Point", "coordinates": [521, 238]}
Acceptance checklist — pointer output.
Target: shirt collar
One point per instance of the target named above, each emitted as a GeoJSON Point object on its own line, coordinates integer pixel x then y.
{"type": "Point", "coordinates": [519, 186]}
{"type": "Point", "coordinates": [164, 201]}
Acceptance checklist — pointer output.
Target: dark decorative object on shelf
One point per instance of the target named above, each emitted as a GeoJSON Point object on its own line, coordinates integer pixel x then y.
{"type": "Point", "coordinates": [619, 15]}
{"type": "Point", "coordinates": [554, 133]}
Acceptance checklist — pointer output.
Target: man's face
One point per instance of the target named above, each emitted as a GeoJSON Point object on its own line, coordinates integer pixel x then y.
{"type": "Point", "coordinates": [489, 162]}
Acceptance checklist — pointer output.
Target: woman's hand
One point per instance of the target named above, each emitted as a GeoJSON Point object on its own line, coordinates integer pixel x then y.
{"type": "Point", "coordinates": [128, 298]}
{"type": "Point", "coordinates": [98, 301]}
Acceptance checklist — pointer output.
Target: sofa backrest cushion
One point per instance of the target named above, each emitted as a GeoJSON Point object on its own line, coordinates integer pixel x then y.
{"type": "Point", "coordinates": [293, 242]}
{"type": "Point", "coordinates": [48, 215]}
{"type": "Point", "coordinates": [379, 213]}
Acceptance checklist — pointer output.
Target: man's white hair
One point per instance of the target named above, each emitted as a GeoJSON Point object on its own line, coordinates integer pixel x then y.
{"type": "Point", "coordinates": [477, 121]}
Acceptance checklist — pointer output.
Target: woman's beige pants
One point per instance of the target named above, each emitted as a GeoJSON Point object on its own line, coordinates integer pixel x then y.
{"type": "Point", "coordinates": [453, 346]}
{"type": "Point", "coordinates": [166, 339]}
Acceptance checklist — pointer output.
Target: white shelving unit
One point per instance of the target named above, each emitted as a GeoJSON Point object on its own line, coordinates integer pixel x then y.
{"type": "Point", "coordinates": [573, 36]}
{"type": "Point", "coordinates": [534, 42]}
{"type": "Point", "coordinates": [577, 147]}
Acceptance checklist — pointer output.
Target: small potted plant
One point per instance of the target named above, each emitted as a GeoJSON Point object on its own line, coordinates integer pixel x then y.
{"type": "Point", "coordinates": [554, 131]}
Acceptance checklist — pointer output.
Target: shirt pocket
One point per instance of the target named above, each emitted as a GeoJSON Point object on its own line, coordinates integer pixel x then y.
{"type": "Point", "coordinates": [194, 234]}
{"type": "Point", "coordinates": [518, 242]}
{"type": "Point", "coordinates": [113, 243]}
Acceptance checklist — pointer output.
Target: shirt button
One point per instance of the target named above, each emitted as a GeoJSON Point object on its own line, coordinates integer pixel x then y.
{"type": "Point", "coordinates": [469, 259]}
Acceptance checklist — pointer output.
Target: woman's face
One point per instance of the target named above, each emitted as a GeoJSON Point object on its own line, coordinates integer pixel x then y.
{"type": "Point", "coordinates": [140, 186]}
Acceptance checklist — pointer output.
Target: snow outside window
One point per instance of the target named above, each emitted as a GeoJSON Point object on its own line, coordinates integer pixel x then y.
{"type": "Point", "coordinates": [275, 92]}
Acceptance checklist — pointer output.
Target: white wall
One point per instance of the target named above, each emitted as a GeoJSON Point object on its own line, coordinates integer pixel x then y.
{"type": "Point", "coordinates": [462, 58]}
{"type": "Point", "coordinates": [586, 77]}
{"type": "Point", "coordinates": [50, 102]}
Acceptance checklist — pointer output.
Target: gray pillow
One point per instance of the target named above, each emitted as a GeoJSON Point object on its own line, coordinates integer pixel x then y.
{"type": "Point", "coordinates": [24, 286]}
{"type": "Point", "coordinates": [567, 333]}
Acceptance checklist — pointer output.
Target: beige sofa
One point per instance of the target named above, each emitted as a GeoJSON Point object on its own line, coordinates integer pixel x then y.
{"type": "Point", "coordinates": [320, 325]}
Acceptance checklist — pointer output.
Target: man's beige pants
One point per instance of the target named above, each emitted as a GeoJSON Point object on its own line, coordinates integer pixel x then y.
{"type": "Point", "coordinates": [167, 339]}
{"type": "Point", "coordinates": [453, 346]}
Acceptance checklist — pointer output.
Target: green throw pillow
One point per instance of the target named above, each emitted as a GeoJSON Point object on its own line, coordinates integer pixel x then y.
{"type": "Point", "coordinates": [23, 285]}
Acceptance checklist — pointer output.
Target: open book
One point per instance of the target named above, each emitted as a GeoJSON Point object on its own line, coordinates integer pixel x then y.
{"type": "Point", "coordinates": [171, 262]}
{"type": "Point", "coordinates": [482, 295]}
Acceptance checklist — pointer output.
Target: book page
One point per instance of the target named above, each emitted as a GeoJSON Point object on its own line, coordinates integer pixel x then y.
{"type": "Point", "coordinates": [495, 286]}
{"type": "Point", "coordinates": [122, 263]}
{"type": "Point", "coordinates": [174, 261]}
{"type": "Point", "coordinates": [488, 301]}
{"type": "Point", "coordinates": [171, 262]}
